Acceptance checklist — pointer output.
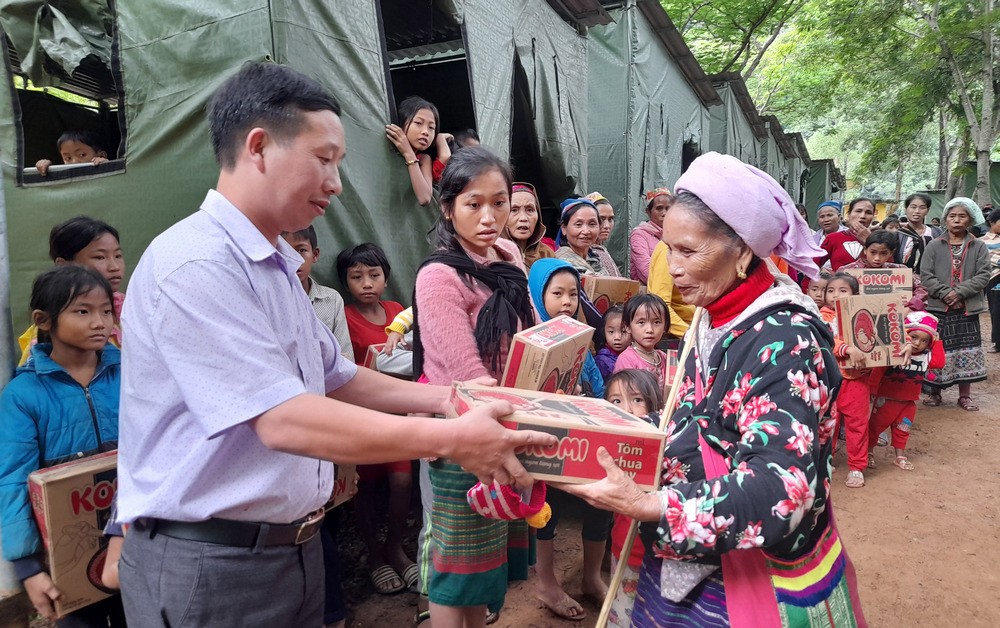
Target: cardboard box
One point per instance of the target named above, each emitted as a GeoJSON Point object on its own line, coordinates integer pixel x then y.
{"type": "Point", "coordinates": [548, 357]}
{"type": "Point", "coordinates": [582, 424]}
{"type": "Point", "coordinates": [345, 484]}
{"type": "Point", "coordinates": [874, 281]}
{"type": "Point", "coordinates": [605, 292]}
{"type": "Point", "coordinates": [671, 372]}
{"type": "Point", "coordinates": [371, 355]}
{"type": "Point", "coordinates": [873, 324]}
{"type": "Point", "coordinates": [72, 504]}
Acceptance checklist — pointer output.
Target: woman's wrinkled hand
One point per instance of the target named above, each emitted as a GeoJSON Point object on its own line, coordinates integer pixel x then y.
{"type": "Point", "coordinates": [616, 492]}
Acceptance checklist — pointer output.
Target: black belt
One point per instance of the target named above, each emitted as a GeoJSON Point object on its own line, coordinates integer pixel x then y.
{"type": "Point", "coordinates": [238, 533]}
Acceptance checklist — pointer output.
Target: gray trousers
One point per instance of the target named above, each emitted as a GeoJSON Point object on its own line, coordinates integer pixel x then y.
{"type": "Point", "coordinates": [173, 583]}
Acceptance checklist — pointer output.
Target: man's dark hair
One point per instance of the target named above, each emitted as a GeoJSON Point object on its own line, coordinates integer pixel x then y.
{"type": "Point", "coordinates": [267, 95]}
{"type": "Point", "coordinates": [309, 233]}
{"type": "Point", "coordinates": [366, 254]}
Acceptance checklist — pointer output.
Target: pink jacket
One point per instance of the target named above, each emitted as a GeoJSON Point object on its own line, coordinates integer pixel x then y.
{"type": "Point", "coordinates": [448, 311]}
{"type": "Point", "coordinates": [642, 241]}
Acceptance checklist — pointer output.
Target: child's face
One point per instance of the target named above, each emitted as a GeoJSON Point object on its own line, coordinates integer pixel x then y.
{"type": "Point", "coordinates": [309, 255]}
{"type": "Point", "coordinates": [421, 130]}
{"type": "Point", "coordinates": [104, 255]}
{"type": "Point", "coordinates": [616, 337]}
{"type": "Point", "coordinates": [647, 327]}
{"type": "Point", "coordinates": [920, 340]}
{"type": "Point", "coordinates": [74, 152]}
{"type": "Point", "coordinates": [366, 283]}
{"type": "Point", "coordinates": [878, 254]}
{"type": "Point", "coordinates": [562, 295]}
{"type": "Point", "coordinates": [85, 324]}
{"type": "Point", "coordinates": [628, 398]}
{"type": "Point", "coordinates": [480, 211]}
{"type": "Point", "coordinates": [817, 291]}
{"type": "Point", "coordinates": [836, 290]}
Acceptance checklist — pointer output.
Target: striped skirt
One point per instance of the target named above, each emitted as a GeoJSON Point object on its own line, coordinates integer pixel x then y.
{"type": "Point", "coordinates": [965, 360]}
{"type": "Point", "coordinates": [470, 551]}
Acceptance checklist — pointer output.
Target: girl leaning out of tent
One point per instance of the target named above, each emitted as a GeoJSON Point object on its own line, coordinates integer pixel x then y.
{"type": "Point", "coordinates": [471, 297]}
{"type": "Point", "coordinates": [425, 150]}
{"type": "Point", "coordinates": [61, 405]}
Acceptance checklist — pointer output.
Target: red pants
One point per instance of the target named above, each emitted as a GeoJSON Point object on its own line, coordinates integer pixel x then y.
{"type": "Point", "coordinates": [854, 406]}
{"type": "Point", "coordinates": [890, 413]}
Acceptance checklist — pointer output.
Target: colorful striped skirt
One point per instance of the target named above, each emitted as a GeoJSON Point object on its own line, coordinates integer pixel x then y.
{"type": "Point", "coordinates": [471, 552]}
{"type": "Point", "coordinates": [965, 360]}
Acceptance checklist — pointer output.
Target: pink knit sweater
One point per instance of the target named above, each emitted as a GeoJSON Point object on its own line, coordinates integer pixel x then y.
{"type": "Point", "coordinates": [448, 311]}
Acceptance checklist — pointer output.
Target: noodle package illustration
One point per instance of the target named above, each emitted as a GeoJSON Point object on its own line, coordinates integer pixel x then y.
{"type": "Point", "coordinates": [548, 357]}
{"type": "Point", "coordinates": [72, 504]}
{"type": "Point", "coordinates": [874, 324]}
{"type": "Point", "coordinates": [582, 424]}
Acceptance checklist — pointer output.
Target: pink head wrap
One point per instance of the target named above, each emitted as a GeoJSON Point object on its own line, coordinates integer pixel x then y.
{"type": "Point", "coordinates": [755, 206]}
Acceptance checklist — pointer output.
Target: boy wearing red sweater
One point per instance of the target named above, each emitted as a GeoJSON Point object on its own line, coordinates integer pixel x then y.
{"type": "Point", "coordinates": [899, 388]}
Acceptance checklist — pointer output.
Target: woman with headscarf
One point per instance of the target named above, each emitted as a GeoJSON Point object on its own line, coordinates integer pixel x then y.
{"type": "Point", "coordinates": [646, 236]}
{"type": "Point", "coordinates": [524, 224]}
{"type": "Point", "coordinates": [579, 228]}
{"type": "Point", "coordinates": [605, 214]}
{"type": "Point", "coordinates": [955, 269]}
{"type": "Point", "coordinates": [742, 532]}
{"type": "Point", "coordinates": [992, 240]}
{"type": "Point", "coordinates": [828, 219]}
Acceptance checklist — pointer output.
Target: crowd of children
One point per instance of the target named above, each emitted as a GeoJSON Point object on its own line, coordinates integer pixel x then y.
{"type": "Point", "coordinates": [491, 273]}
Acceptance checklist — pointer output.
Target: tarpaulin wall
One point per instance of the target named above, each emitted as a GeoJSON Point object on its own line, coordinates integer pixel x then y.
{"type": "Point", "coordinates": [731, 134]}
{"type": "Point", "coordinates": [818, 188]}
{"type": "Point", "coordinates": [636, 145]}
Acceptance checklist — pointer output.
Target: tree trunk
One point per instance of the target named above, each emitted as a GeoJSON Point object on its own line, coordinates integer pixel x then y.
{"type": "Point", "coordinates": [956, 178]}
{"type": "Point", "coordinates": [944, 155]}
{"type": "Point", "coordinates": [899, 182]}
{"type": "Point", "coordinates": [983, 162]}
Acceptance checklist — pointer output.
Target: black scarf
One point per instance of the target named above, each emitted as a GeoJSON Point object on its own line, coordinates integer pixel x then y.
{"type": "Point", "coordinates": [499, 317]}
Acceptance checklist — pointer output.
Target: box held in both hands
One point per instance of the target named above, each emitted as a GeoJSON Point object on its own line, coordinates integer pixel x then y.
{"type": "Point", "coordinates": [582, 424]}
{"type": "Point", "coordinates": [72, 503]}
{"type": "Point", "coordinates": [874, 325]}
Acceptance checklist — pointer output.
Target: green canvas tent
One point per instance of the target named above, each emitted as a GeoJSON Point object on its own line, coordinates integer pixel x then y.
{"type": "Point", "coordinates": [649, 103]}
{"type": "Point", "coordinates": [823, 182]}
{"type": "Point", "coordinates": [737, 129]}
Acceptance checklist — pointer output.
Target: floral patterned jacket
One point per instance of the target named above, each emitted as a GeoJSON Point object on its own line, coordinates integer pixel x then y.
{"type": "Point", "coordinates": [769, 383]}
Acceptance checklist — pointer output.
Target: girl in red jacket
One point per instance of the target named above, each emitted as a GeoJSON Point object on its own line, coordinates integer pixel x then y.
{"type": "Point", "coordinates": [899, 389]}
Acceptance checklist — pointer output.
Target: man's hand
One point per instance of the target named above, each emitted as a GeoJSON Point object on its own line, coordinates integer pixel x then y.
{"type": "Point", "coordinates": [42, 593]}
{"type": "Point", "coordinates": [43, 166]}
{"type": "Point", "coordinates": [616, 492]}
{"type": "Point", "coordinates": [486, 449]}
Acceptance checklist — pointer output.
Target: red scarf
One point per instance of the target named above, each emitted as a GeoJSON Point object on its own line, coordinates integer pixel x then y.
{"type": "Point", "coordinates": [733, 303]}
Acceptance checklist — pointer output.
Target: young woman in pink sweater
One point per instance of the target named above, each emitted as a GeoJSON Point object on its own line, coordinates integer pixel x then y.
{"type": "Point", "coordinates": [471, 297]}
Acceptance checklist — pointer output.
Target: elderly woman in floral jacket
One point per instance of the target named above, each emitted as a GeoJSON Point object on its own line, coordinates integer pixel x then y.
{"type": "Point", "coordinates": [742, 532]}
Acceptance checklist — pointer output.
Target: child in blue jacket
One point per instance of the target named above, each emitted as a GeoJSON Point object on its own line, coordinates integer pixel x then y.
{"type": "Point", "coordinates": [61, 405]}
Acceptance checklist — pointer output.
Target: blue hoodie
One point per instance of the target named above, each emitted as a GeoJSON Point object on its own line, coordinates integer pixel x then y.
{"type": "Point", "coordinates": [538, 278]}
{"type": "Point", "coordinates": [46, 418]}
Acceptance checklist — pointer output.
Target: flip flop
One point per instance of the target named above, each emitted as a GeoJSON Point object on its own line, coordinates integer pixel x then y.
{"type": "Point", "coordinates": [903, 463]}
{"type": "Point", "coordinates": [411, 576]}
{"type": "Point", "coordinates": [871, 459]}
{"type": "Point", "coordinates": [421, 617]}
{"type": "Point", "coordinates": [855, 479]}
{"type": "Point", "coordinates": [492, 618]}
{"type": "Point", "coordinates": [564, 608]}
{"type": "Point", "coordinates": [382, 578]}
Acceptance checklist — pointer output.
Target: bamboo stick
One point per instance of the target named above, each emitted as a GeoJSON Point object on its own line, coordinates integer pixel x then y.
{"type": "Point", "coordinates": [619, 575]}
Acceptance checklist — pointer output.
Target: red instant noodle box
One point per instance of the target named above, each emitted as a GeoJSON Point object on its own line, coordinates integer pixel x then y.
{"type": "Point", "coordinates": [72, 504]}
{"type": "Point", "coordinates": [873, 324]}
{"type": "Point", "coordinates": [582, 424]}
{"type": "Point", "coordinates": [548, 357]}
{"type": "Point", "coordinates": [372, 355]}
{"type": "Point", "coordinates": [605, 292]}
{"type": "Point", "coordinates": [345, 485]}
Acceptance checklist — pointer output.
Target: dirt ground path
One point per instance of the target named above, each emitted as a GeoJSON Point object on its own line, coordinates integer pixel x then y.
{"type": "Point", "coordinates": [926, 543]}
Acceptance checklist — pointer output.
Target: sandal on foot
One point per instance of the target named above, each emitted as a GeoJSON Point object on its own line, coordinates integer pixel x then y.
{"type": "Point", "coordinates": [382, 578]}
{"type": "Point", "coordinates": [421, 617]}
{"type": "Point", "coordinates": [566, 608]}
{"type": "Point", "coordinates": [932, 400]}
{"type": "Point", "coordinates": [411, 576]}
{"type": "Point", "coordinates": [967, 404]}
{"type": "Point", "coordinates": [883, 440]}
{"type": "Point", "coordinates": [492, 618]}
{"type": "Point", "coordinates": [871, 459]}
{"type": "Point", "coordinates": [855, 479]}
{"type": "Point", "coordinates": [903, 463]}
